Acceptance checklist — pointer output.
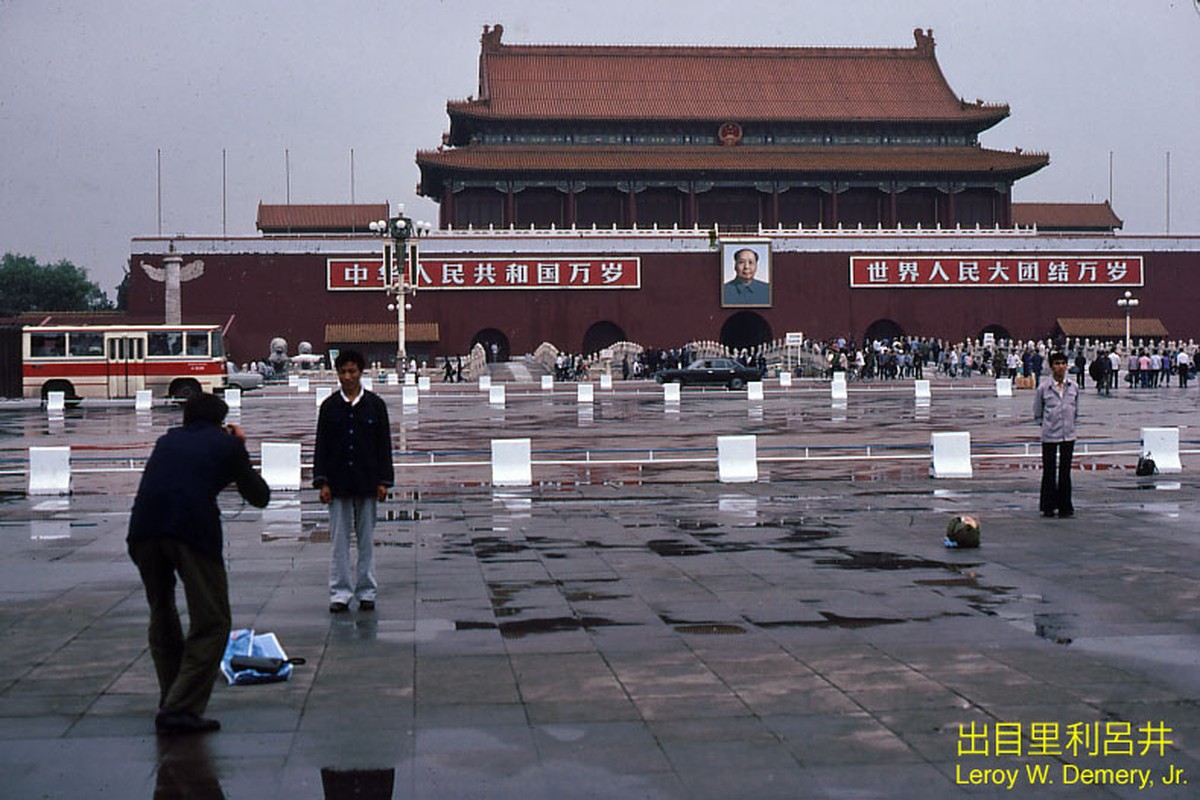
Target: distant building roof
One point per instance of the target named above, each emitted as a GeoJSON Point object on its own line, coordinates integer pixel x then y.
{"type": "Point", "coordinates": [740, 84]}
{"type": "Point", "coordinates": [699, 159]}
{"type": "Point", "coordinates": [319, 218]}
{"type": "Point", "coordinates": [1112, 327]}
{"type": "Point", "coordinates": [365, 332]}
{"type": "Point", "coordinates": [1089, 217]}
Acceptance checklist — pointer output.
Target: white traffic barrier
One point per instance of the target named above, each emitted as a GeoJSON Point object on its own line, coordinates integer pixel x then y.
{"type": "Point", "coordinates": [605, 382]}
{"type": "Point", "coordinates": [671, 393]}
{"type": "Point", "coordinates": [585, 393]}
{"type": "Point", "coordinates": [547, 383]}
{"type": "Point", "coordinates": [293, 381]}
{"type": "Point", "coordinates": [322, 394]}
{"type": "Point", "coordinates": [512, 462]}
{"type": "Point", "coordinates": [1004, 387]}
{"type": "Point", "coordinates": [1162, 445]}
{"type": "Point", "coordinates": [368, 383]}
{"type": "Point", "coordinates": [754, 391]}
{"type": "Point", "coordinates": [410, 395]}
{"type": "Point", "coordinates": [837, 389]}
{"type": "Point", "coordinates": [393, 379]}
{"type": "Point", "coordinates": [56, 402]}
{"type": "Point", "coordinates": [233, 398]}
{"type": "Point", "coordinates": [423, 383]}
{"type": "Point", "coordinates": [281, 464]}
{"type": "Point", "coordinates": [49, 470]}
{"type": "Point", "coordinates": [922, 391]}
{"type": "Point", "coordinates": [496, 395]}
{"type": "Point", "coordinates": [737, 459]}
{"type": "Point", "coordinates": [410, 379]}
{"type": "Point", "coordinates": [785, 379]}
{"type": "Point", "coordinates": [302, 385]}
{"type": "Point", "coordinates": [485, 382]}
{"type": "Point", "coordinates": [951, 455]}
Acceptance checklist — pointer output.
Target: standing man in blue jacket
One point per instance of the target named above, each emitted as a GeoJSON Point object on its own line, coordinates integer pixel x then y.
{"type": "Point", "coordinates": [352, 469]}
{"type": "Point", "coordinates": [1055, 409]}
{"type": "Point", "coordinates": [175, 529]}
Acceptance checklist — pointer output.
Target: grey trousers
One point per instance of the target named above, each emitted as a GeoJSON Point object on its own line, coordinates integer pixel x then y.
{"type": "Point", "coordinates": [352, 517]}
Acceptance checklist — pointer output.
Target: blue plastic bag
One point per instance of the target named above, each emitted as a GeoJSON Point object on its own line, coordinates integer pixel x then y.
{"type": "Point", "coordinates": [244, 642]}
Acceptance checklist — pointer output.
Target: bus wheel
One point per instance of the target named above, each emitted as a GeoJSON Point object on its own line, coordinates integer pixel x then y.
{"type": "Point", "coordinates": [185, 389]}
{"type": "Point", "coordinates": [65, 387]}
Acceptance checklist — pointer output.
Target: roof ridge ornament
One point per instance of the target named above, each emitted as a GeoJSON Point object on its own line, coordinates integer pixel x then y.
{"type": "Point", "coordinates": [491, 37]}
{"type": "Point", "coordinates": [924, 40]}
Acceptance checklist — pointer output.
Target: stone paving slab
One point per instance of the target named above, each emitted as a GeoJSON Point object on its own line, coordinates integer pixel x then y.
{"type": "Point", "coordinates": [647, 634]}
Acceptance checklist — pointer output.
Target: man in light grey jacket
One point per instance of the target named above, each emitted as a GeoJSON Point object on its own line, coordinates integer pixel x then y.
{"type": "Point", "coordinates": [1055, 408]}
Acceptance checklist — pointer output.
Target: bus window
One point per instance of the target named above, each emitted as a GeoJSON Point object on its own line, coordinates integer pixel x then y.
{"type": "Point", "coordinates": [47, 344]}
{"type": "Point", "coordinates": [87, 343]}
{"type": "Point", "coordinates": [218, 347]}
{"type": "Point", "coordinates": [165, 343]}
{"type": "Point", "coordinates": [197, 343]}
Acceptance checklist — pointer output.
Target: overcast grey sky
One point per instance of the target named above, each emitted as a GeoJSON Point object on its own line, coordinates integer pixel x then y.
{"type": "Point", "coordinates": [91, 90]}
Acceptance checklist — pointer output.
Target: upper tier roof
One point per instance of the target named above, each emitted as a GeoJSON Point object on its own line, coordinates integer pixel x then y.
{"type": "Point", "coordinates": [739, 84]}
{"type": "Point", "coordinates": [319, 218]}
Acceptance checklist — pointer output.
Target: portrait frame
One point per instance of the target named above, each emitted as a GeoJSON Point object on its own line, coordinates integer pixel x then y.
{"type": "Point", "coordinates": [754, 296]}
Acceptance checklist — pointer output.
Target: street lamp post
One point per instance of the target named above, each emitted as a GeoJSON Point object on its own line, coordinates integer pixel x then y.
{"type": "Point", "coordinates": [1128, 302]}
{"type": "Point", "coordinates": [400, 262]}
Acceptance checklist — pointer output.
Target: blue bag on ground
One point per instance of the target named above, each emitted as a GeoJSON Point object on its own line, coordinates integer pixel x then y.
{"type": "Point", "coordinates": [245, 651]}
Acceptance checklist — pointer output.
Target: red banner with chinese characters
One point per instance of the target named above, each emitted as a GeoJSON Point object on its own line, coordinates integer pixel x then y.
{"type": "Point", "coordinates": [347, 274]}
{"type": "Point", "coordinates": [1022, 271]}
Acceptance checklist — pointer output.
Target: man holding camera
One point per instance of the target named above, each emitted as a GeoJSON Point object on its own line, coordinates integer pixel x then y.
{"type": "Point", "coordinates": [175, 529]}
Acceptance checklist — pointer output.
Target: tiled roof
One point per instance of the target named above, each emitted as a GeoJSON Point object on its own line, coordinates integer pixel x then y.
{"type": "Point", "coordinates": [364, 332]}
{"type": "Point", "coordinates": [1066, 216]}
{"type": "Point", "coordinates": [319, 218]}
{"type": "Point", "coordinates": [737, 84]}
{"type": "Point", "coordinates": [1112, 327]}
{"type": "Point", "coordinates": [705, 160]}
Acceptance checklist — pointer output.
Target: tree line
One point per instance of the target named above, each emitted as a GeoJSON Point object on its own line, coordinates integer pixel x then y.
{"type": "Point", "coordinates": [29, 286]}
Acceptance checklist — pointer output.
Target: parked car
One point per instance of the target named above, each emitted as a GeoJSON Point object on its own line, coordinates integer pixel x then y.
{"type": "Point", "coordinates": [239, 379]}
{"type": "Point", "coordinates": [712, 372]}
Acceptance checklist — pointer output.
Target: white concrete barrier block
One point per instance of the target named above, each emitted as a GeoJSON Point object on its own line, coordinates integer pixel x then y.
{"type": "Point", "coordinates": [322, 394]}
{"type": "Point", "coordinates": [281, 465]}
{"type": "Point", "coordinates": [754, 391]}
{"type": "Point", "coordinates": [785, 379]}
{"type": "Point", "coordinates": [585, 393]}
{"type": "Point", "coordinates": [233, 397]}
{"type": "Point", "coordinates": [423, 383]}
{"type": "Point", "coordinates": [410, 395]}
{"type": "Point", "coordinates": [737, 459]}
{"type": "Point", "coordinates": [293, 381]}
{"type": "Point", "coordinates": [1004, 387]}
{"type": "Point", "coordinates": [922, 390]}
{"type": "Point", "coordinates": [951, 455]}
{"type": "Point", "coordinates": [302, 385]}
{"type": "Point", "coordinates": [605, 382]}
{"type": "Point", "coordinates": [671, 393]}
{"type": "Point", "coordinates": [512, 462]}
{"type": "Point", "coordinates": [1162, 445]}
{"type": "Point", "coordinates": [485, 383]}
{"type": "Point", "coordinates": [393, 379]}
{"type": "Point", "coordinates": [547, 383]}
{"type": "Point", "coordinates": [368, 383]}
{"type": "Point", "coordinates": [56, 402]}
{"type": "Point", "coordinates": [49, 470]}
{"type": "Point", "coordinates": [837, 389]}
{"type": "Point", "coordinates": [410, 379]}
{"type": "Point", "coordinates": [496, 395]}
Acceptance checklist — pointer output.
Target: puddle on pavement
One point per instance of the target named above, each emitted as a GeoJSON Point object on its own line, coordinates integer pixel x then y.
{"type": "Point", "coordinates": [358, 784]}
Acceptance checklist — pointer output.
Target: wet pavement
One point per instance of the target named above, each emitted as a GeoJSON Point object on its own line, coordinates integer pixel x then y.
{"type": "Point", "coordinates": [628, 626]}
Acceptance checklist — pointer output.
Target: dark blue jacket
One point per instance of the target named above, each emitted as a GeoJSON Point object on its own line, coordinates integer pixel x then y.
{"type": "Point", "coordinates": [353, 451]}
{"type": "Point", "coordinates": [177, 498]}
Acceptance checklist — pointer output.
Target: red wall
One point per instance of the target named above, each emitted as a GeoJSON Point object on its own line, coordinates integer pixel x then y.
{"type": "Point", "coordinates": [270, 295]}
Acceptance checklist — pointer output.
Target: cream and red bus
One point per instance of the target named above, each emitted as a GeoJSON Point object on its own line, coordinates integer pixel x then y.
{"type": "Point", "coordinates": [116, 361]}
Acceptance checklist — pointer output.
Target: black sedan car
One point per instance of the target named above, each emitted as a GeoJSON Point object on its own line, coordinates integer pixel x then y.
{"type": "Point", "coordinates": [711, 372]}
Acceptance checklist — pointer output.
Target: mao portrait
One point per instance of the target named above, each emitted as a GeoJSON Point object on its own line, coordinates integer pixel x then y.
{"type": "Point", "coordinates": [745, 274]}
